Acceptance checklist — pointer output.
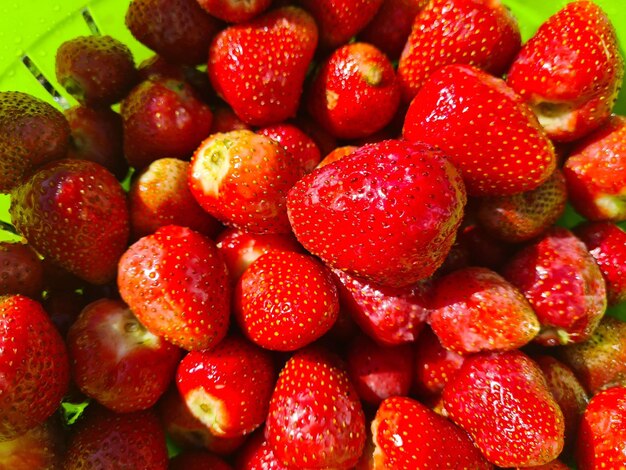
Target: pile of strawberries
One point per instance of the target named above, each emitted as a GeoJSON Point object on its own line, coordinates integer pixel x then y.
{"type": "Point", "coordinates": [337, 246]}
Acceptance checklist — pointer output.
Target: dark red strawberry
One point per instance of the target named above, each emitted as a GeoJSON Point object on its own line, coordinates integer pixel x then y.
{"type": "Point", "coordinates": [482, 248]}
{"type": "Point", "coordinates": [286, 300]}
{"type": "Point", "coordinates": [394, 200]}
{"type": "Point", "coordinates": [33, 365]}
{"type": "Point", "coordinates": [198, 460]}
{"type": "Point", "coordinates": [242, 179]}
{"type": "Point", "coordinates": [482, 33]}
{"type": "Point", "coordinates": [74, 213]}
{"type": "Point", "coordinates": [564, 285]}
{"type": "Point", "coordinates": [299, 145]}
{"type": "Point", "coordinates": [489, 133]}
{"type": "Point", "coordinates": [235, 11]}
{"type": "Point", "coordinates": [502, 400]}
{"type": "Point", "coordinates": [176, 283]}
{"type": "Point", "coordinates": [229, 387]}
{"type": "Point", "coordinates": [355, 92]}
{"type": "Point", "coordinates": [21, 270]}
{"type": "Point", "coordinates": [40, 448]}
{"type": "Point", "coordinates": [570, 71]}
{"type": "Point", "coordinates": [63, 308]}
{"type": "Point", "coordinates": [408, 435]}
{"type": "Point", "coordinates": [315, 418]}
{"type": "Point", "coordinates": [259, 67]}
{"type": "Point", "coordinates": [225, 120]}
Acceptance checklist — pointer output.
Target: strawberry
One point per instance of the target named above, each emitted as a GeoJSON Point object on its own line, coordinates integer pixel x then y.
{"type": "Point", "coordinates": [408, 435]}
{"type": "Point", "coordinates": [523, 216]}
{"type": "Point", "coordinates": [176, 283]}
{"type": "Point", "coordinates": [116, 361]}
{"type": "Point", "coordinates": [63, 308]}
{"type": "Point", "coordinates": [160, 196]}
{"type": "Point", "coordinates": [489, 133]}
{"type": "Point", "coordinates": [570, 71]}
{"type": "Point", "coordinates": [229, 387]}
{"type": "Point", "coordinates": [481, 33]}
{"type": "Point", "coordinates": [480, 248]}
{"type": "Point", "coordinates": [103, 439]}
{"type": "Point", "coordinates": [198, 460]}
{"type": "Point", "coordinates": [242, 179]}
{"type": "Point", "coordinates": [502, 400]}
{"type": "Point", "coordinates": [607, 244]}
{"type": "Point", "coordinates": [39, 448]}
{"type": "Point", "coordinates": [178, 30]}
{"type": "Point", "coordinates": [339, 20]}
{"type": "Point", "coordinates": [554, 465]}
{"type": "Point", "coordinates": [564, 285]}
{"type": "Point", "coordinates": [74, 213]}
{"type": "Point", "coordinates": [257, 454]}
{"type": "Point", "coordinates": [21, 270]}
{"type": "Point", "coordinates": [225, 120]}
{"type": "Point", "coordinates": [300, 146]}
{"type": "Point", "coordinates": [33, 365]}
{"type": "Point", "coordinates": [259, 67]}
{"type": "Point", "coordinates": [315, 418]}
{"type": "Point", "coordinates": [393, 200]}
{"type": "Point", "coordinates": [602, 438]}
{"type": "Point", "coordinates": [337, 154]}
{"type": "Point", "coordinates": [286, 300]}
{"type": "Point", "coordinates": [595, 172]}
{"type": "Point", "coordinates": [33, 133]}
{"type": "Point", "coordinates": [234, 11]}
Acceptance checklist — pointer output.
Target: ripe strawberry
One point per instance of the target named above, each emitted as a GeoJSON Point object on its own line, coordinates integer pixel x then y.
{"type": "Point", "coordinates": [481, 33]}
{"type": "Point", "coordinates": [74, 213]}
{"type": "Point", "coordinates": [229, 387]}
{"type": "Point", "coordinates": [489, 133]}
{"type": "Point", "coordinates": [33, 365]}
{"type": "Point", "coordinates": [523, 216]}
{"type": "Point", "coordinates": [339, 20]}
{"type": "Point", "coordinates": [315, 418]}
{"type": "Point", "coordinates": [21, 270]}
{"type": "Point", "coordinates": [257, 454]}
{"type": "Point", "coordinates": [337, 154]}
{"type": "Point", "coordinates": [39, 448]}
{"type": "Point", "coordinates": [285, 300]}
{"type": "Point", "coordinates": [502, 400]}
{"type": "Point", "coordinates": [242, 179]}
{"type": "Point", "coordinates": [103, 439]}
{"type": "Point", "coordinates": [602, 438]}
{"type": "Point", "coordinates": [225, 120]}
{"type": "Point", "coordinates": [179, 30]}
{"type": "Point", "coordinates": [607, 244]}
{"type": "Point", "coordinates": [300, 146]}
{"type": "Point", "coordinates": [564, 285]}
{"type": "Point", "coordinates": [408, 435]}
{"type": "Point", "coordinates": [235, 11]}
{"type": "Point", "coordinates": [160, 196]}
{"type": "Point", "coordinates": [259, 67]}
{"type": "Point", "coordinates": [163, 118]}
{"type": "Point", "coordinates": [482, 248]}
{"type": "Point", "coordinates": [33, 133]}
{"type": "Point", "coordinates": [394, 200]}
{"type": "Point", "coordinates": [116, 361]}
{"type": "Point", "coordinates": [595, 172]}
{"type": "Point", "coordinates": [198, 460]}
{"type": "Point", "coordinates": [176, 283]}
{"type": "Point", "coordinates": [570, 71]}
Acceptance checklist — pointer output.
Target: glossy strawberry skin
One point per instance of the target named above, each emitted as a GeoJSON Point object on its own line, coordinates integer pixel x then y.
{"type": "Point", "coordinates": [259, 67]}
{"type": "Point", "coordinates": [257, 454]}
{"type": "Point", "coordinates": [21, 270]}
{"type": "Point", "coordinates": [480, 33]}
{"type": "Point", "coordinates": [300, 146]}
{"type": "Point", "coordinates": [570, 71]}
{"type": "Point", "coordinates": [234, 11]}
{"type": "Point", "coordinates": [564, 285]}
{"type": "Point", "coordinates": [176, 283]}
{"type": "Point", "coordinates": [393, 200]}
{"type": "Point", "coordinates": [479, 108]}
{"type": "Point", "coordinates": [502, 400]}
{"type": "Point", "coordinates": [33, 364]}
{"type": "Point", "coordinates": [74, 213]}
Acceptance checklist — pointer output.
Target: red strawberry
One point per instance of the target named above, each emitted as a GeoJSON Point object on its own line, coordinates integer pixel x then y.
{"type": "Point", "coordinates": [21, 270]}
{"type": "Point", "coordinates": [408, 435]}
{"type": "Point", "coordinates": [482, 248]}
{"type": "Point", "coordinates": [602, 438]}
{"type": "Point", "coordinates": [116, 361]}
{"type": "Point", "coordinates": [229, 387]}
{"type": "Point", "coordinates": [39, 448]}
{"type": "Point", "coordinates": [315, 418]}
{"type": "Point", "coordinates": [259, 67]}
{"type": "Point", "coordinates": [300, 146]}
{"type": "Point", "coordinates": [235, 11]}
{"type": "Point", "coordinates": [337, 154]}
{"type": "Point", "coordinates": [257, 455]}
{"type": "Point", "coordinates": [394, 200]}
{"type": "Point", "coordinates": [595, 172]}
{"type": "Point", "coordinates": [103, 439]}
{"type": "Point", "coordinates": [176, 283]}
{"type": "Point", "coordinates": [242, 179]}
{"type": "Point", "coordinates": [481, 33]}
{"type": "Point", "coordinates": [607, 244]}
{"type": "Point", "coordinates": [225, 120]}
{"type": "Point", "coordinates": [339, 20]}
{"type": "Point", "coordinates": [570, 71]}
{"type": "Point", "coordinates": [564, 285]}
{"type": "Point", "coordinates": [33, 365]}
{"type": "Point", "coordinates": [74, 213]}
{"type": "Point", "coordinates": [502, 400]}
{"type": "Point", "coordinates": [286, 300]}
{"type": "Point", "coordinates": [355, 92]}
{"type": "Point", "coordinates": [198, 460]}
{"type": "Point", "coordinates": [490, 134]}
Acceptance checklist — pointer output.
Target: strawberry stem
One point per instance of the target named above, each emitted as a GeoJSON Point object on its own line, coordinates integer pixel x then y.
{"type": "Point", "coordinates": [7, 227]}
